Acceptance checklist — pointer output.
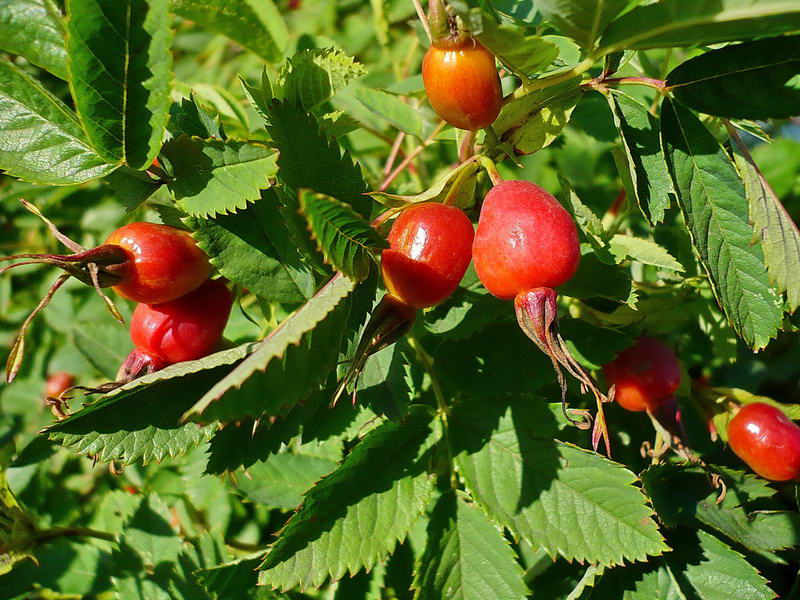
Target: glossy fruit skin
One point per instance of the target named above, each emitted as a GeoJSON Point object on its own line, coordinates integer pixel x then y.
{"type": "Point", "coordinates": [645, 375]}
{"type": "Point", "coordinates": [525, 240]}
{"type": "Point", "coordinates": [164, 263]}
{"type": "Point", "coordinates": [58, 382]}
{"type": "Point", "coordinates": [462, 84]}
{"type": "Point", "coordinates": [767, 440]}
{"type": "Point", "coordinates": [187, 328]}
{"type": "Point", "coordinates": [430, 249]}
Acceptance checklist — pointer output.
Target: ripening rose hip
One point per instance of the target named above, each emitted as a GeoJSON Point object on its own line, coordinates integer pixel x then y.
{"type": "Point", "coordinates": [462, 83]}
{"type": "Point", "coordinates": [525, 240]}
{"type": "Point", "coordinates": [186, 328]}
{"type": "Point", "coordinates": [767, 440]}
{"type": "Point", "coordinates": [644, 375]}
{"type": "Point", "coordinates": [58, 383]}
{"type": "Point", "coordinates": [164, 263]}
{"type": "Point", "coordinates": [429, 252]}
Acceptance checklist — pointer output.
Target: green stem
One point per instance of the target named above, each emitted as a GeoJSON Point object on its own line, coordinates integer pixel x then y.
{"type": "Point", "coordinates": [546, 82]}
{"type": "Point", "coordinates": [491, 169]}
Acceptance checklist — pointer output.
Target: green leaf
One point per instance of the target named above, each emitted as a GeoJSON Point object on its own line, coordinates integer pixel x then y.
{"type": "Point", "coordinates": [391, 108]}
{"type": "Point", "coordinates": [689, 23]}
{"type": "Point", "coordinates": [41, 140]}
{"type": "Point", "coordinates": [17, 529]}
{"type": "Point", "coordinates": [309, 159]}
{"type": "Point", "coordinates": [257, 25]}
{"type": "Point", "coordinates": [712, 198]}
{"type": "Point", "coordinates": [104, 345]}
{"type": "Point", "coordinates": [466, 556]}
{"type": "Point", "coordinates": [523, 54]}
{"type": "Point", "coordinates": [343, 236]}
{"type": "Point", "coordinates": [534, 121]}
{"type": "Point", "coordinates": [132, 187]}
{"type": "Point", "coordinates": [755, 80]}
{"type": "Point", "coordinates": [641, 140]}
{"type": "Point", "coordinates": [654, 581]}
{"type": "Point", "coordinates": [356, 515]}
{"type": "Point", "coordinates": [214, 177]}
{"type": "Point", "coordinates": [645, 251]}
{"type": "Point", "coordinates": [308, 341]}
{"type": "Point", "coordinates": [34, 29]}
{"type": "Point", "coordinates": [453, 183]}
{"type": "Point", "coordinates": [546, 490]}
{"type": "Point", "coordinates": [773, 226]}
{"type": "Point", "coordinates": [716, 571]}
{"type": "Point", "coordinates": [140, 422]}
{"type": "Point", "coordinates": [120, 67]}
{"type": "Point", "coordinates": [149, 532]}
{"type": "Point", "coordinates": [253, 248]}
{"type": "Point", "coordinates": [190, 118]}
{"type": "Point", "coordinates": [281, 480]}
{"type": "Point", "coordinates": [582, 21]}
{"type": "Point", "coordinates": [595, 279]}
{"type": "Point", "coordinates": [311, 77]}
{"type": "Point", "coordinates": [591, 345]}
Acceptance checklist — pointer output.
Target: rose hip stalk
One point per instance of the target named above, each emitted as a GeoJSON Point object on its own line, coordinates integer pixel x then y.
{"type": "Point", "coordinates": [429, 251]}
{"type": "Point", "coordinates": [459, 74]}
{"type": "Point", "coordinates": [526, 244]}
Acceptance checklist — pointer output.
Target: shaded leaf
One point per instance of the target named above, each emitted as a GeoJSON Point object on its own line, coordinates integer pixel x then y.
{"type": "Point", "coordinates": [523, 54]}
{"type": "Point", "coordinates": [41, 140]}
{"type": "Point", "coordinates": [713, 201]}
{"type": "Point", "coordinates": [140, 422]}
{"type": "Point", "coordinates": [399, 114]}
{"type": "Point", "coordinates": [266, 381]}
{"type": "Point", "coordinates": [120, 68]}
{"type": "Point", "coordinates": [34, 29]}
{"type": "Point", "coordinates": [215, 177]}
{"type": "Point", "coordinates": [356, 515]}
{"type": "Point", "coordinates": [309, 159]}
{"type": "Point", "coordinates": [255, 25]}
{"type": "Point", "coordinates": [534, 121]}
{"type": "Point", "coordinates": [754, 80]}
{"type": "Point", "coordinates": [311, 77]}
{"type": "Point", "coordinates": [641, 140]}
{"type": "Point", "coordinates": [466, 556]}
{"type": "Point", "coordinates": [774, 228]}
{"type": "Point", "coordinates": [544, 489]}
{"type": "Point", "coordinates": [253, 248]}
{"type": "Point", "coordinates": [281, 480]}
{"type": "Point", "coordinates": [690, 23]}
{"type": "Point", "coordinates": [582, 21]}
{"type": "Point", "coordinates": [343, 236]}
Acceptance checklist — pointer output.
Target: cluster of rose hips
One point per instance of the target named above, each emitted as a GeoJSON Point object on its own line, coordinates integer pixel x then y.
{"type": "Point", "coordinates": [181, 312]}
{"type": "Point", "coordinates": [525, 245]}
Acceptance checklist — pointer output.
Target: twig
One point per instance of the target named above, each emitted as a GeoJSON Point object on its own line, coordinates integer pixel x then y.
{"type": "Point", "coordinates": [423, 18]}
{"type": "Point", "coordinates": [398, 141]}
{"type": "Point", "coordinates": [402, 166]}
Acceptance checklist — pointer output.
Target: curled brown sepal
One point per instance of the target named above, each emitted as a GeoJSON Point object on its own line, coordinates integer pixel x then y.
{"type": "Point", "coordinates": [390, 321]}
{"type": "Point", "coordinates": [537, 315]}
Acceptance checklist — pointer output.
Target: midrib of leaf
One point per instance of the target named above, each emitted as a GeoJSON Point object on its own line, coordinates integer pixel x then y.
{"type": "Point", "coordinates": [126, 68]}
{"type": "Point", "coordinates": [735, 72]}
{"type": "Point", "coordinates": [732, 15]}
{"type": "Point", "coordinates": [557, 481]}
{"type": "Point", "coordinates": [697, 172]}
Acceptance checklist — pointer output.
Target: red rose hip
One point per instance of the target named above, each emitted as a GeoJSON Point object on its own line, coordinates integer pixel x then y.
{"type": "Point", "coordinates": [164, 263]}
{"type": "Point", "coordinates": [186, 328]}
{"type": "Point", "coordinates": [58, 383]}
{"type": "Point", "coordinates": [525, 240]}
{"type": "Point", "coordinates": [767, 440]}
{"type": "Point", "coordinates": [462, 83]}
{"type": "Point", "coordinates": [644, 374]}
{"type": "Point", "coordinates": [429, 252]}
